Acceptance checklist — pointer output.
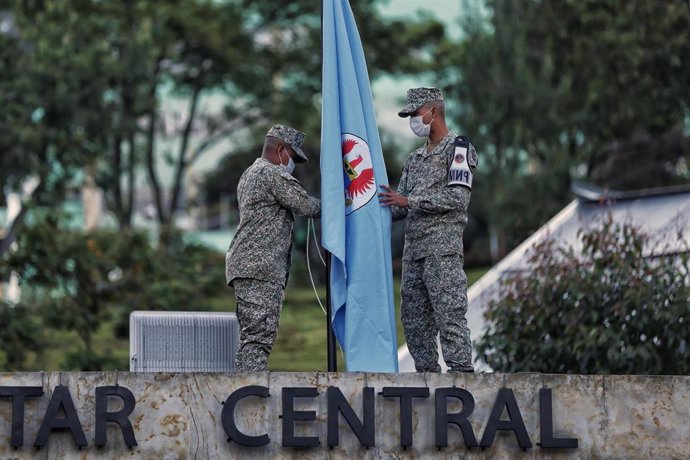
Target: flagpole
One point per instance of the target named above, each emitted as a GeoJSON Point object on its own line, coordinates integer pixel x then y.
{"type": "Point", "coordinates": [330, 335]}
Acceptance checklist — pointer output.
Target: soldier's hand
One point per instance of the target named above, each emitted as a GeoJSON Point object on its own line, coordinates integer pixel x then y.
{"type": "Point", "coordinates": [390, 197]}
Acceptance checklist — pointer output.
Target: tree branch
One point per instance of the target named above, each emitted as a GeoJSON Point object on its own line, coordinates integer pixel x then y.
{"type": "Point", "coordinates": [232, 126]}
{"type": "Point", "coordinates": [11, 235]}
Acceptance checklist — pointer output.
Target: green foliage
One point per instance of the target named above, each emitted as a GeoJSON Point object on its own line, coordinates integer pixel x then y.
{"type": "Point", "coordinates": [49, 87]}
{"type": "Point", "coordinates": [79, 281]}
{"type": "Point", "coordinates": [549, 90]}
{"type": "Point", "coordinates": [180, 277]}
{"type": "Point", "coordinates": [609, 307]}
{"type": "Point", "coordinates": [73, 275]}
{"type": "Point", "coordinates": [19, 334]}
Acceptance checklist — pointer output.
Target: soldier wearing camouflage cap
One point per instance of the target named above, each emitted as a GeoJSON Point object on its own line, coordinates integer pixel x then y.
{"type": "Point", "coordinates": [433, 197]}
{"type": "Point", "coordinates": [258, 260]}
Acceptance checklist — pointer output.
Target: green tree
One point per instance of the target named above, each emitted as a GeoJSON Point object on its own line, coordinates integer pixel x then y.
{"type": "Point", "coordinates": [608, 307]}
{"type": "Point", "coordinates": [89, 282]}
{"type": "Point", "coordinates": [51, 93]}
{"type": "Point", "coordinates": [550, 90]}
{"type": "Point", "coordinates": [73, 276]}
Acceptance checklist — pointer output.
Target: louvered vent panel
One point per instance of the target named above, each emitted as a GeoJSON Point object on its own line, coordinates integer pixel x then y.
{"type": "Point", "coordinates": [182, 341]}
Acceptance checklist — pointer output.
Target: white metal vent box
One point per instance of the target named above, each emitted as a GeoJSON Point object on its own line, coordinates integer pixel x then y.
{"type": "Point", "coordinates": [166, 341]}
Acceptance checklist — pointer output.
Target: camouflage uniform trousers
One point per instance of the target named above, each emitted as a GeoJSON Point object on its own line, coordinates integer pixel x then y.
{"type": "Point", "coordinates": [258, 312]}
{"type": "Point", "coordinates": [434, 299]}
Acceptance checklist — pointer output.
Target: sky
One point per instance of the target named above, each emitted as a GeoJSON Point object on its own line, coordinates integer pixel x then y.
{"type": "Point", "coordinates": [442, 9]}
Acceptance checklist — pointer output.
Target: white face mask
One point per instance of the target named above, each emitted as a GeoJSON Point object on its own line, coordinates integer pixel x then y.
{"type": "Point", "coordinates": [418, 127]}
{"type": "Point", "coordinates": [290, 166]}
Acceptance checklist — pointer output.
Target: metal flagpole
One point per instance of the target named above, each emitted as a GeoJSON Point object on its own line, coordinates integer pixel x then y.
{"type": "Point", "coordinates": [330, 335]}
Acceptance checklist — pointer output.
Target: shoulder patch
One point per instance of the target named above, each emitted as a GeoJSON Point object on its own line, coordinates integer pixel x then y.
{"type": "Point", "coordinates": [460, 172]}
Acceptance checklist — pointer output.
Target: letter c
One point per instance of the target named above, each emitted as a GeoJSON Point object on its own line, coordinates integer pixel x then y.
{"type": "Point", "coordinates": [228, 417]}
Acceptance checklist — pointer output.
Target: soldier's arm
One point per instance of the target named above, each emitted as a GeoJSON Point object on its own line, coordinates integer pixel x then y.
{"type": "Point", "coordinates": [449, 198]}
{"type": "Point", "coordinates": [398, 212]}
{"type": "Point", "coordinates": [290, 194]}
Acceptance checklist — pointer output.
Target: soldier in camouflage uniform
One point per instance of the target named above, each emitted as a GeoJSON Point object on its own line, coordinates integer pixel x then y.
{"type": "Point", "coordinates": [434, 284]}
{"type": "Point", "coordinates": [258, 260]}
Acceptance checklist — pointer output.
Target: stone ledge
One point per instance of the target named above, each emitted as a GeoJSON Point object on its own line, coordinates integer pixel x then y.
{"type": "Point", "coordinates": [180, 416]}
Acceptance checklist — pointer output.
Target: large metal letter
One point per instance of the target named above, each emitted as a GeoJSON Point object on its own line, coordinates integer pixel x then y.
{"type": "Point", "coordinates": [228, 416]}
{"type": "Point", "coordinates": [364, 430]}
{"type": "Point", "coordinates": [405, 395]}
{"type": "Point", "coordinates": [119, 417]}
{"type": "Point", "coordinates": [61, 400]}
{"type": "Point", "coordinates": [546, 424]}
{"type": "Point", "coordinates": [290, 416]}
{"type": "Point", "coordinates": [505, 399]}
{"type": "Point", "coordinates": [18, 395]}
{"type": "Point", "coordinates": [443, 418]}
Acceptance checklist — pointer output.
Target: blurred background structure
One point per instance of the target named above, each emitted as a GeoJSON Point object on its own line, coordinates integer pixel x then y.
{"type": "Point", "coordinates": [125, 126]}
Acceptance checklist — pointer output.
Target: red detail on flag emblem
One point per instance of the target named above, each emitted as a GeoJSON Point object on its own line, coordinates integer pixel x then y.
{"type": "Point", "coordinates": [348, 145]}
{"type": "Point", "coordinates": [362, 182]}
{"type": "Point", "coordinates": [356, 161]}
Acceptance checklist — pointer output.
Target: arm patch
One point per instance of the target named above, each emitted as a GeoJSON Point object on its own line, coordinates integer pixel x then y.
{"type": "Point", "coordinates": [459, 172]}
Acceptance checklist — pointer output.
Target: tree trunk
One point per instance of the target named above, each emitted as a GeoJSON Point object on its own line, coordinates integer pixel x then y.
{"type": "Point", "coordinates": [150, 147]}
{"type": "Point", "coordinates": [117, 186]}
{"type": "Point", "coordinates": [182, 162]}
{"type": "Point", "coordinates": [131, 182]}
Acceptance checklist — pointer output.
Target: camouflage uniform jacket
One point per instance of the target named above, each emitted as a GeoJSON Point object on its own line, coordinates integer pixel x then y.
{"type": "Point", "coordinates": [261, 247]}
{"type": "Point", "coordinates": [436, 215]}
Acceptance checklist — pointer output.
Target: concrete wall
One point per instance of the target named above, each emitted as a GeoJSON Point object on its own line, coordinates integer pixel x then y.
{"type": "Point", "coordinates": [178, 416]}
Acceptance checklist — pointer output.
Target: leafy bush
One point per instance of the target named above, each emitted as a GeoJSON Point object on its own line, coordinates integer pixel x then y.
{"type": "Point", "coordinates": [72, 277]}
{"type": "Point", "coordinates": [611, 307]}
{"type": "Point", "coordinates": [18, 334]}
{"type": "Point", "coordinates": [80, 282]}
{"type": "Point", "coordinates": [181, 276]}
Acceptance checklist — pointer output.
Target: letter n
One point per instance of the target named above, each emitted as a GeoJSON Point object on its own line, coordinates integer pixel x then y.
{"type": "Point", "coordinates": [365, 431]}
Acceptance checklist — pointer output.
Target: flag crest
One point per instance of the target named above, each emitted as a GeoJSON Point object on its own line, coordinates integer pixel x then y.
{"type": "Point", "coordinates": [360, 183]}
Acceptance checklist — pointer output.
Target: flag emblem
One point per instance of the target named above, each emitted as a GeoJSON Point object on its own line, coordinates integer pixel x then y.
{"type": "Point", "coordinates": [360, 185]}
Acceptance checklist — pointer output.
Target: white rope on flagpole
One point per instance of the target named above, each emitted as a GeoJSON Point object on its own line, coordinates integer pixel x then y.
{"type": "Point", "coordinates": [310, 226]}
{"type": "Point", "coordinates": [316, 240]}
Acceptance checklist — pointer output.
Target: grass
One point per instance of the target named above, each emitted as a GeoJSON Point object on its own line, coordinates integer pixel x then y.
{"type": "Point", "coordinates": [300, 345]}
{"type": "Point", "coordinates": [301, 342]}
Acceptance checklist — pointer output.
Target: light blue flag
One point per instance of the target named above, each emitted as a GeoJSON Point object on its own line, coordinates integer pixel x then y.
{"type": "Point", "coordinates": [355, 227]}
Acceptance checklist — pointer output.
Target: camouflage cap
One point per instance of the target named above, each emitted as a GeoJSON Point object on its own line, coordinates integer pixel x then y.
{"type": "Point", "coordinates": [417, 97]}
{"type": "Point", "coordinates": [290, 136]}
